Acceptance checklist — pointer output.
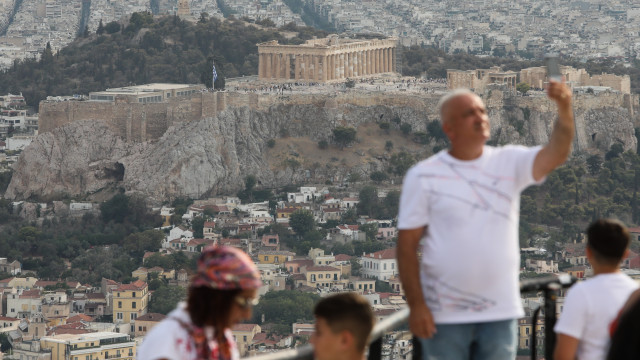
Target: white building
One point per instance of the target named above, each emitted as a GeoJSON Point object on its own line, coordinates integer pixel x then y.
{"type": "Point", "coordinates": [380, 265]}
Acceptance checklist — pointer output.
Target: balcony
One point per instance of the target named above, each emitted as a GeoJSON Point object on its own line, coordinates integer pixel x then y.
{"type": "Point", "coordinates": [549, 286]}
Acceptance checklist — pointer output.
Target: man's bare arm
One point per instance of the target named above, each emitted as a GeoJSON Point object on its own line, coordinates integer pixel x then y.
{"type": "Point", "coordinates": [420, 319]}
{"type": "Point", "coordinates": [557, 150]}
{"type": "Point", "coordinates": [566, 347]}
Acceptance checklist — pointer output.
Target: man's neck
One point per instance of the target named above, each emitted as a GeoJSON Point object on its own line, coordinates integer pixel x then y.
{"type": "Point", "coordinates": [601, 269]}
{"type": "Point", "coordinates": [466, 153]}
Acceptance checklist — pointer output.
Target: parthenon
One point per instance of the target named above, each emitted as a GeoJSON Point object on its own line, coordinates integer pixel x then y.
{"type": "Point", "coordinates": [325, 60]}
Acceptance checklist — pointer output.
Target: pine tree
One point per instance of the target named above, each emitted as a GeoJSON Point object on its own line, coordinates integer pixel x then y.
{"type": "Point", "coordinates": [100, 30]}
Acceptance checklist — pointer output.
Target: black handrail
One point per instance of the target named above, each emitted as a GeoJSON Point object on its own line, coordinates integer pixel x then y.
{"type": "Point", "coordinates": [549, 285]}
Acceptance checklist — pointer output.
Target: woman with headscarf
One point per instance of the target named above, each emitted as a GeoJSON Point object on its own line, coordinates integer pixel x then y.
{"type": "Point", "coordinates": [221, 294]}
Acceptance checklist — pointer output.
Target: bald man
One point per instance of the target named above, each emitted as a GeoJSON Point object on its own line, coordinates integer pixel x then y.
{"type": "Point", "coordinates": [463, 204]}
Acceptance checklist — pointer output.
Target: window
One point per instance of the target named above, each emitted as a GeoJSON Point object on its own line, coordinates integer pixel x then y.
{"type": "Point", "coordinates": [119, 316]}
{"type": "Point", "coordinates": [134, 316]}
{"type": "Point", "coordinates": [319, 276]}
{"type": "Point", "coordinates": [133, 304]}
{"type": "Point", "coordinates": [277, 259]}
{"type": "Point", "coordinates": [119, 304]}
{"type": "Point", "coordinates": [244, 338]}
{"type": "Point", "coordinates": [385, 266]}
{"type": "Point", "coordinates": [266, 258]}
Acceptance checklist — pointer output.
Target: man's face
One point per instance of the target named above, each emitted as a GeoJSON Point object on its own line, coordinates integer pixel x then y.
{"type": "Point", "coordinates": [467, 120]}
{"type": "Point", "coordinates": [326, 344]}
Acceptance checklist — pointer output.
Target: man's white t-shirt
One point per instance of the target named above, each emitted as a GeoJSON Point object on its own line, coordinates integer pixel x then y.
{"type": "Point", "coordinates": [470, 252]}
{"type": "Point", "coordinates": [589, 309]}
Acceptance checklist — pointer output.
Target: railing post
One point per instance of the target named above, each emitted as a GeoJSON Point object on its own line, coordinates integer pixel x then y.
{"type": "Point", "coordinates": [417, 348]}
{"type": "Point", "coordinates": [550, 297]}
{"type": "Point", "coordinates": [375, 349]}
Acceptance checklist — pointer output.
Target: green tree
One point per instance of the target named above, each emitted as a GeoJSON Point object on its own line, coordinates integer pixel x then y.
{"type": "Point", "coordinates": [100, 29]}
{"type": "Point", "coordinates": [406, 129]}
{"type": "Point", "coordinates": [344, 136]}
{"type": "Point", "coordinates": [323, 144]}
{"type": "Point", "coordinates": [594, 163]}
{"type": "Point", "coordinates": [370, 229]}
{"type": "Point", "coordinates": [388, 145]}
{"type": "Point", "coordinates": [115, 209]}
{"type": "Point", "coordinates": [301, 221]}
{"type": "Point", "coordinates": [112, 27]}
{"type": "Point", "coordinates": [378, 176]}
{"type": "Point", "coordinates": [137, 243]}
{"type": "Point", "coordinates": [368, 200]}
{"type": "Point", "coordinates": [285, 307]}
{"type": "Point", "coordinates": [166, 298]}
{"type": "Point", "coordinates": [523, 88]}
{"type": "Point", "coordinates": [197, 224]}
{"type": "Point", "coordinates": [401, 162]}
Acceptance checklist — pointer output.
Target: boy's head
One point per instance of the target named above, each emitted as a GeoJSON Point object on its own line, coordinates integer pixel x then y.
{"type": "Point", "coordinates": [608, 240]}
{"type": "Point", "coordinates": [343, 325]}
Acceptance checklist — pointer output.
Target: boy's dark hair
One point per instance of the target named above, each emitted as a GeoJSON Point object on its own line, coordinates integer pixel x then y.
{"type": "Point", "coordinates": [608, 239]}
{"type": "Point", "coordinates": [350, 312]}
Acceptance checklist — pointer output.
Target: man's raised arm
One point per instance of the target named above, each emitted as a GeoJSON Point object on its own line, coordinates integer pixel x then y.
{"type": "Point", "coordinates": [420, 319]}
{"type": "Point", "coordinates": [557, 150]}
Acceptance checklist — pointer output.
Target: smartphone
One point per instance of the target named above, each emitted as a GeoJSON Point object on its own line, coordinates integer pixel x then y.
{"type": "Point", "coordinates": [553, 67]}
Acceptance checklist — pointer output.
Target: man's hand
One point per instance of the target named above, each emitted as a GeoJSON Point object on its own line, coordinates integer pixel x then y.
{"type": "Point", "coordinates": [560, 93]}
{"type": "Point", "coordinates": [421, 322]}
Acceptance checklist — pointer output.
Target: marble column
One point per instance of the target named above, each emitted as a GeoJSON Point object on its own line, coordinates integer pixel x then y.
{"type": "Point", "coordinates": [287, 66]}
{"type": "Point", "coordinates": [296, 74]}
{"type": "Point", "coordinates": [260, 66]}
{"type": "Point", "coordinates": [385, 60]}
{"type": "Point", "coordinates": [316, 67]}
{"type": "Point", "coordinates": [268, 66]}
{"type": "Point", "coordinates": [394, 53]}
{"type": "Point", "coordinates": [325, 76]}
{"type": "Point", "coordinates": [276, 67]}
{"type": "Point", "coordinates": [307, 65]}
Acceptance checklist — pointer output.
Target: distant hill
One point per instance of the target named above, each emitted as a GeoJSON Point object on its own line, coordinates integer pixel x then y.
{"type": "Point", "coordinates": [149, 49]}
{"type": "Point", "coordinates": [144, 50]}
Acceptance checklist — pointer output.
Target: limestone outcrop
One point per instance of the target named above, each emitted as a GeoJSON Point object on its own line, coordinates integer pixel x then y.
{"type": "Point", "coordinates": [212, 155]}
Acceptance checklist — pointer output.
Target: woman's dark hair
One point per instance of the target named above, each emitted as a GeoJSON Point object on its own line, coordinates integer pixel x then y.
{"type": "Point", "coordinates": [207, 306]}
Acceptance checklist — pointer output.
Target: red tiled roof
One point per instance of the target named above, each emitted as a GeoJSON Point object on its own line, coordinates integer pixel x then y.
{"type": "Point", "coordinates": [80, 317]}
{"type": "Point", "coordinates": [30, 293]}
{"type": "Point", "coordinates": [383, 254]}
{"type": "Point", "coordinates": [322, 268]}
{"type": "Point", "coordinates": [69, 331]}
{"type": "Point", "coordinates": [151, 317]}
{"type": "Point", "coordinates": [136, 285]}
{"type": "Point", "coordinates": [95, 296]}
{"type": "Point", "coordinates": [4, 318]}
{"type": "Point", "coordinates": [209, 224]}
{"type": "Point", "coordinates": [7, 280]}
{"type": "Point", "coordinates": [343, 257]}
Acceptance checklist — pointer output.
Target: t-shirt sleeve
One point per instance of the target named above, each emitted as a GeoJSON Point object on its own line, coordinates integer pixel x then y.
{"type": "Point", "coordinates": [524, 157]}
{"type": "Point", "coordinates": [413, 211]}
{"type": "Point", "coordinates": [573, 319]}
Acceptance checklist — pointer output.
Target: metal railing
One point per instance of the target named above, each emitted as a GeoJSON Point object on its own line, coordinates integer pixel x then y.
{"type": "Point", "coordinates": [549, 285]}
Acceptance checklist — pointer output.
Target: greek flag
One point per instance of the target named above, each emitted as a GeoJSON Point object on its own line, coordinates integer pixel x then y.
{"type": "Point", "coordinates": [215, 74]}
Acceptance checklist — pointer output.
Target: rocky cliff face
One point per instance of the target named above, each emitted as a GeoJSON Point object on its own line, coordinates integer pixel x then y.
{"type": "Point", "coordinates": [213, 155]}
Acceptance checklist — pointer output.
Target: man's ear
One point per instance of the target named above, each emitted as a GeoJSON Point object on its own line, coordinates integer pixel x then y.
{"type": "Point", "coordinates": [346, 339]}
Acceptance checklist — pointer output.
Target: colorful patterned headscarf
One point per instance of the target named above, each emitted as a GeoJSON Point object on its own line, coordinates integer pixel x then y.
{"type": "Point", "coordinates": [226, 268]}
